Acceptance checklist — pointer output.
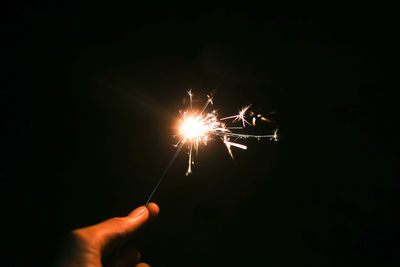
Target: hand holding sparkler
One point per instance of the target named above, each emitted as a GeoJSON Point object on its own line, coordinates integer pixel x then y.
{"type": "Point", "coordinates": [103, 244]}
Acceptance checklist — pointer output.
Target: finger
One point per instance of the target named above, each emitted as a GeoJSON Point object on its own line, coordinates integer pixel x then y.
{"type": "Point", "coordinates": [128, 256]}
{"type": "Point", "coordinates": [142, 264]}
{"type": "Point", "coordinates": [115, 231]}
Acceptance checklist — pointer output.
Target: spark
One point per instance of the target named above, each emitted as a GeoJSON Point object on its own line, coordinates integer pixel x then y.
{"type": "Point", "coordinates": [240, 116]}
{"type": "Point", "coordinates": [274, 137]}
{"type": "Point", "coordinates": [196, 128]}
{"type": "Point", "coordinates": [190, 97]}
{"type": "Point", "coordinates": [228, 145]}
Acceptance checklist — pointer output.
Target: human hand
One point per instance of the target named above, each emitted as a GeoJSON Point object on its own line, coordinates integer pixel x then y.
{"type": "Point", "coordinates": [102, 244]}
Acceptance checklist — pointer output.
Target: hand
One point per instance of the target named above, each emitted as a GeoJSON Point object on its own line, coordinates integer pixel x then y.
{"type": "Point", "coordinates": [103, 243]}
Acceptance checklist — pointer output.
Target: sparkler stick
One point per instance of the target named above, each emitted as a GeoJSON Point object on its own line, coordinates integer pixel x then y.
{"type": "Point", "coordinates": [198, 127]}
{"type": "Point", "coordinates": [165, 172]}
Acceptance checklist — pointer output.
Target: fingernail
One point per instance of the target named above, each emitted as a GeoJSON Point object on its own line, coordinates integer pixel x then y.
{"type": "Point", "coordinates": [139, 211]}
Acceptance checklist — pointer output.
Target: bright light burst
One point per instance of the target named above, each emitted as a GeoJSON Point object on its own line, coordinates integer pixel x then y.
{"type": "Point", "coordinates": [198, 127]}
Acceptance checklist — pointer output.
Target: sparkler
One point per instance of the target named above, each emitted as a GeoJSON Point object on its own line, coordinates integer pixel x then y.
{"type": "Point", "coordinates": [198, 127]}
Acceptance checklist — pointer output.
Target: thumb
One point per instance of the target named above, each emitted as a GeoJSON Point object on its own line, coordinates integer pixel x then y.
{"type": "Point", "coordinates": [113, 232]}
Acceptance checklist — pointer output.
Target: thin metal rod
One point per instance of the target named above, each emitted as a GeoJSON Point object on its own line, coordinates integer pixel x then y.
{"type": "Point", "coordinates": [165, 171]}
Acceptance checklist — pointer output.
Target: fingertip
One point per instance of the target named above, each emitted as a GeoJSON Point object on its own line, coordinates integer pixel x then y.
{"type": "Point", "coordinates": [153, 209]}
{"type": "Point", "coordinates": [142, 264]}
{"type": "Point", "coordinates": [145, 213]}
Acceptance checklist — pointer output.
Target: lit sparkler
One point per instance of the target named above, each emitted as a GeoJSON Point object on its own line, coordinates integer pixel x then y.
{"type": "Point", "coordinates": [198, 127]}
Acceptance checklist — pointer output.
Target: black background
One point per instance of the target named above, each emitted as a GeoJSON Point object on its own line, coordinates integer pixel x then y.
{"type": "Point", "coordinates": [92, 93]}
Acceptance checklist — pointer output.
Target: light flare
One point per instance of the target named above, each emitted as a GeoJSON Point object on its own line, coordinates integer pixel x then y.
{"type": "Point", "coordinates": [192, 128]}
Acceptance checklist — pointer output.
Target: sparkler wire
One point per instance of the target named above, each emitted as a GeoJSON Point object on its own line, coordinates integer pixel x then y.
{"type": "Point", "coordinates": [165, 172]}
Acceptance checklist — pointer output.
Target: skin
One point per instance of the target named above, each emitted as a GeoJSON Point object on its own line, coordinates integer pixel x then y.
{"type": "Point", "coordinates": [103, 244]}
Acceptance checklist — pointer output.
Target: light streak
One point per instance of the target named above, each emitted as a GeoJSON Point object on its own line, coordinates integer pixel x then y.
{"type": "Point", "coordinates": [198, 127]}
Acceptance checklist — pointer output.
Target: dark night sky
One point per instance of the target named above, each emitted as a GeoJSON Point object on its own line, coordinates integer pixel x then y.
{"type": "Point", "coordinates": [91, 93]}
